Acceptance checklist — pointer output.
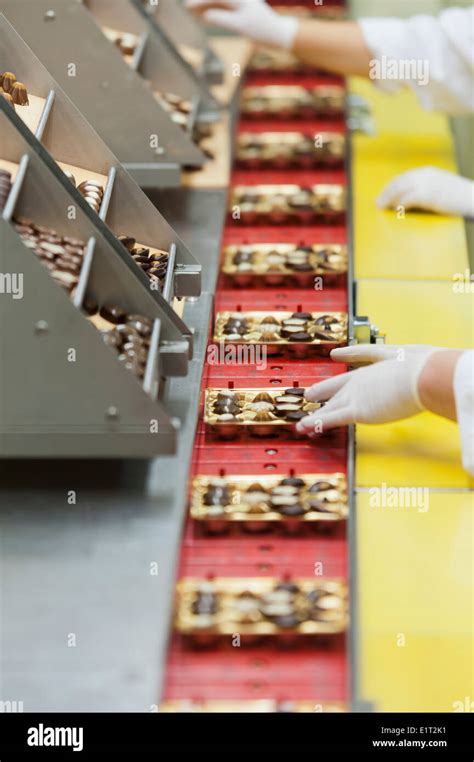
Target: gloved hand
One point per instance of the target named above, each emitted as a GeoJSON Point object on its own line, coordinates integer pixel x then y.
{"type": "Point", "coordinates": [383, 392]}
{"type": "Point", "coordinates": [431, 189]}
{"type": "Point", "coordinates": [250, 18]}
{"type": "Point", "coordinates": [370, 353]}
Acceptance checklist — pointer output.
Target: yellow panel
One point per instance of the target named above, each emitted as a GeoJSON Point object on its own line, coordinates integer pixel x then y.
{"type": "Point", "coordinates": [425, 447]}
{"type": "Point", "coordinates": [418, 312]}
{"type": "Point", "coordinates": [415, 246]}
{"type": "Point", "coordinates": [424, 451]}
{"type": "Point", "coordinates": [415, 588]}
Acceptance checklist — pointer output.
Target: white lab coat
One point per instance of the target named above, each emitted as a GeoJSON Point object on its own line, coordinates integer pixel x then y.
{"type": "Point", "coordinates": [464, 397]}
{"type": "Point", "coordinates": [445, 42]}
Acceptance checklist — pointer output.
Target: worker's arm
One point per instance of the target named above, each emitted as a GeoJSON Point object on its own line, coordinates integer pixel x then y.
{"type": "Point", "coordinates": [431, 54]}
{"type": "Point", "coordinates": [336, 46]}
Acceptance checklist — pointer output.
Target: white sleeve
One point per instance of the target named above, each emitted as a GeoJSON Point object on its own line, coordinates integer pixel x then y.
{"type": "Point", "coordinates": [464, 397]}
{"type": "Point", "coordinates": [434, 55]}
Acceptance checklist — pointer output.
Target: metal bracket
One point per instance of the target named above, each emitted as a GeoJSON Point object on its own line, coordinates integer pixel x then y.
{"type": "Point", "coordinates": [364, 332]}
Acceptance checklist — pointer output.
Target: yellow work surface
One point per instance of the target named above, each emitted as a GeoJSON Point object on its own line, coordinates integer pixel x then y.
{"type": "Point", "coordinates": [418, 312]}
{"type": "Point", "coordinates": [424, 450]}
{"type": "Point", "coordinates": [415, 603]}
{"type": "Point", "coordinates": [389, 245]}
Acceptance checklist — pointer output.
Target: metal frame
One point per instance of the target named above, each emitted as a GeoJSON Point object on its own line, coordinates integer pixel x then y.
{"type": "Point", "coordinates": [66, 136]}
{"type": "Point", "coordinates": [157, 59]}
{"type": "Point", "coordinates": [47, 417]}
{"type": "Point", "coordinates": [116, 102]}
{"type": "Point", "coordinates": [127, 516]}
{"type": "Point", "coordinates": [182, 29]}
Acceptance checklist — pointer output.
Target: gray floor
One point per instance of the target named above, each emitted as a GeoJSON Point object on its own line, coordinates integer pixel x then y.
{"type": "Point", "coordinates": [84, 617]}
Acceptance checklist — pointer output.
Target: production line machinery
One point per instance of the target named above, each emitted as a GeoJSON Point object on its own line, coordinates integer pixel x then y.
{"type": "Point", "coordinates": [220, 574]}
{"type": "Point", "coordinates": [265, 582]}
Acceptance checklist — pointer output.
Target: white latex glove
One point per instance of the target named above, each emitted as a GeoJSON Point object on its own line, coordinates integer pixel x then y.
{"type": "Point", "coordinates": [250, 18]}
{"type": "Point", "coordinates": [431, 189]}
{"type": "Point", "coordinates": [464, 396]}
{"type": "Point", "coordinates": [383, 392]}
{"type": "Point", "coordinates": [371, 353]}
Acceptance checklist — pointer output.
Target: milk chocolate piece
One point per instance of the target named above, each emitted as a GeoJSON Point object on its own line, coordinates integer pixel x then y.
{"type": "Point", "coordinates": [127, 241]}
{"type": "Point", "coordinates": [7, 80]}
{"type": "Point", "coordinates": [19, 94]}
{"type": "Point", "coordinates": [8, 98]}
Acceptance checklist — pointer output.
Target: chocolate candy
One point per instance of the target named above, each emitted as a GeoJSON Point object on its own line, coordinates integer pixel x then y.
{"type": "Point", "coordinates": [297, 391]}
{"type": "Point", "coordinates": [302, 316]}
{"type": "Point", "coordinates": [235, 327]}
{"type": "Point", "coordinates": [243, 257]}
{"type": "Point", "coordinates": [321, 486]}
{"type": "Point", "coordinates": [50, 247]}
{"type": "Point", "coordinates": [132, 346]}
{"type": "Point", "coordinates": [142, 325]}
{"type": "Point", "coordinates": [19, 94]}
{"type": "Point", "coordinates": [141, 251]}
{"type": "Point", "coordinates": [217, 495]}
{"type": "Point", "coordinates": [229, 408]}
{"type": "Point", "coordinates": [301, 337]}
{"type": "Point", "coordinates": [112, 339]}
{"type": "Point", "coordinates": [113, 313]}
{"type": "Point", "coordinates": [7, 80]}
{"type": "Point", "coordinates": [178, 108]}
{"type": "Point", "coordinates": [8, 98]}
{"type": "Point", "coordinates": [93, 193]}
{"type": "Point", "coordinates": [293, 481]}
{"type": "Point", "coordinates": [294, 509]}
{"type": "Point", "coordinates": [295, 416]}
{"type": "Point", "coordinates": [205, 604]}
{"type": "Point", "coordinates": [289, 330]}
{"type": "Point", "coordinates": [127, 241]}
{"type": "Point", "coordinates": [154, 265]}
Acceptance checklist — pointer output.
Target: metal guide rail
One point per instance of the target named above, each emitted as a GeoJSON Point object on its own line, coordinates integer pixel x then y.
{"type": "Point", "coordinates": [70, 42]}
{"type": "Point", "coordinates": [263, 600]}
